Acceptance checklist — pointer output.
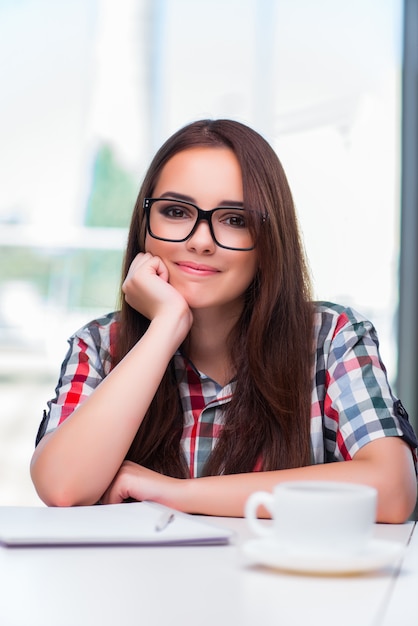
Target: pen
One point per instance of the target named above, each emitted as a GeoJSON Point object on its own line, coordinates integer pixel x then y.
{"type": "Point", "coordinates": [165, 519]}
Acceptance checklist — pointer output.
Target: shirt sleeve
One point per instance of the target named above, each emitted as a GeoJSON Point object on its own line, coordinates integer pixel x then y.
{"type": "Point", "coordinates": [359, 405]}
{"type": "Point", "coordinates": [86, 364]}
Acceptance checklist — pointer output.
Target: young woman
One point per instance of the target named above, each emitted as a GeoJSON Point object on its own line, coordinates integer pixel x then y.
{"type": "Point", "coordinates": [219, 376]}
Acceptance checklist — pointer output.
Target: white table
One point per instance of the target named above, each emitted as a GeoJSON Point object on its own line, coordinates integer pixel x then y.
{"type": "Point", "coordinates": [199, 586]}
{"type": "Point", "coordinates": [402, 606]}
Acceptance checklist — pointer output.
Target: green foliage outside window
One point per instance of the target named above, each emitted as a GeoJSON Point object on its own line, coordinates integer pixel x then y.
{"type": "Point", "coordinates": [73, 279]}
{"type": "Point", "coordinates": [84, 278]}
{"type": "Point", "coordinates": [113, 192]}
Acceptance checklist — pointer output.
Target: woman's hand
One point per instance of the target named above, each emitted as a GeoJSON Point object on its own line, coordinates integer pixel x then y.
{"type": "Point", "coordinates": [148, 291]}
{"type": "Point", "coordinates": [226, 495]}
{"type": "Point", "coordinates": [118, 405]}
{"type": "Point", "coordinates": [139, 483]}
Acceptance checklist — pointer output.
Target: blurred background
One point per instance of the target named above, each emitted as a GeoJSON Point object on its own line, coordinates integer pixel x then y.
{"type": "Point", "coordinates": [89, 91]}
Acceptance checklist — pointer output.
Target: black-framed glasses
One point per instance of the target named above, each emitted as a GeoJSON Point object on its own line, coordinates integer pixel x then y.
{"type": "Point", "coordinates": [233, 228]}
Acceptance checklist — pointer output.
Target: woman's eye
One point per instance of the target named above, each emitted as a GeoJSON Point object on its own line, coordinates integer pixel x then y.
{"type": "Point", "coordinates": [175, 212]}
{"type": "Point", "coordinates": [235, 220]}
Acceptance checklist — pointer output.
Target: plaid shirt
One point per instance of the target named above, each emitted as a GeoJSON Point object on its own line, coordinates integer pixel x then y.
{"type": "Point", "coordinates": [352, 403]}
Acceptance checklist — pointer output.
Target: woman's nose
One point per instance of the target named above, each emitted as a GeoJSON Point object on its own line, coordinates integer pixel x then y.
{"type": "Point", "coordinates": [202, 240]}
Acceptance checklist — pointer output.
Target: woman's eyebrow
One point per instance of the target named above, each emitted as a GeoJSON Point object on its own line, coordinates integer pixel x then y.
{"type": "Point", "coordinates": [181, 196]}
{"type": "Point", "coordinates": [234, 203]}
{"type": "Point", "coordinates": [177, 196]}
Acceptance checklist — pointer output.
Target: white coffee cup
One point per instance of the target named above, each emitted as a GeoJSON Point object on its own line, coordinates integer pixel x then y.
{"type": "Point", "coordinates": [320, 518]}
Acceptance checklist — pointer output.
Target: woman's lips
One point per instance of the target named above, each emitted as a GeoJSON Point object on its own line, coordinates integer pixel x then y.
{"type": "Point", "coordinates": [196, 268]}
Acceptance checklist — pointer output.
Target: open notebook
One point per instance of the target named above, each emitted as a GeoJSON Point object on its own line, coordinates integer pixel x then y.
{"type": "Point", "coordinates": [136, 523]}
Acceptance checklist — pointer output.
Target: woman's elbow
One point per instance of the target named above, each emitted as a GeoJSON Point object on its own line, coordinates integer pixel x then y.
{"type": "Point", "coordinates": [397, 503]}
{"type": "Point", "coordinates": [58, 492]}
{"type": "Point", "coordinates": [59, 497]}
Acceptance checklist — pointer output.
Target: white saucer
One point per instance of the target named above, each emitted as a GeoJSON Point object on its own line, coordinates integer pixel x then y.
{"type": "Point", "coordinates": [378, 554]}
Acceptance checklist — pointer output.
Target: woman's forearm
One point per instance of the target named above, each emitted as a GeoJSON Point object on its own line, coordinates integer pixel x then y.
{"type": "Point", "coordinates": [76, 462]}
{"type": "Point", "coordinates": [395, 482]}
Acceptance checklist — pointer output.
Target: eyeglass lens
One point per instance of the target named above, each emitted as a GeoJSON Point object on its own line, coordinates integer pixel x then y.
{"type": "Point", "coordinates": [175, 220]}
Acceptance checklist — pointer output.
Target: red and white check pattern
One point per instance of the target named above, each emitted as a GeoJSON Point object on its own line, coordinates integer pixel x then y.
{"type": "Point", "coordinates": [352, 403]}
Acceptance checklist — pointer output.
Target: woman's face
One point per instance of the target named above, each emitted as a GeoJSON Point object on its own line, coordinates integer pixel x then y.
{"type": "Point", "coordinates": [205, 274]}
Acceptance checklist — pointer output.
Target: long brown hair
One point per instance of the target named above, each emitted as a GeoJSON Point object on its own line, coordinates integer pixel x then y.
{"type": "Point", "coordinates": [268, 417]}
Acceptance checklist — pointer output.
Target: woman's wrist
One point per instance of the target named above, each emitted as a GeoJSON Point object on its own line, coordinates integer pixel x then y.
{"type": "Point", "coordinates": [173, 327]}
{"type": "Point", "coordinates": [179, 494]}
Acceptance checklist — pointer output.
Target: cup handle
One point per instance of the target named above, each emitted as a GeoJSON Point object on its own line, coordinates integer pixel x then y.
{"type": "Point", "coordinates": [254, 501]}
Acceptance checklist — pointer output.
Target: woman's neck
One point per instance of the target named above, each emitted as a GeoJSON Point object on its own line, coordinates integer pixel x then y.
{"type": "Point", "coordinates": [208, 345]}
